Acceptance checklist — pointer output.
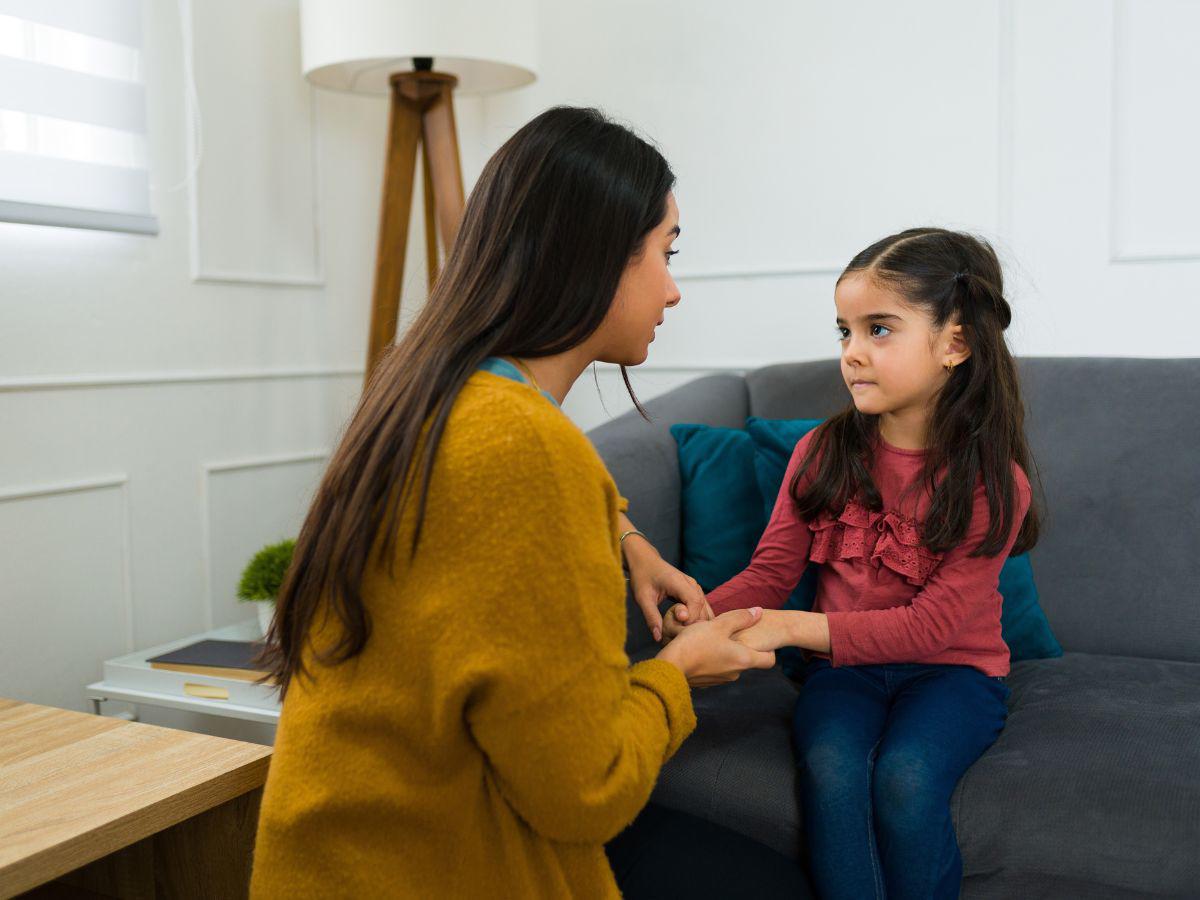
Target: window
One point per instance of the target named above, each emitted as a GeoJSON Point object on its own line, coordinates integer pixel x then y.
{"type": "Point", "coordinates": [73, 115]}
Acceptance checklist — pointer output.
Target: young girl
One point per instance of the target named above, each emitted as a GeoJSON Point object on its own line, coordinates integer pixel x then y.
{"type": "Point", "coordinates": [911, 499]}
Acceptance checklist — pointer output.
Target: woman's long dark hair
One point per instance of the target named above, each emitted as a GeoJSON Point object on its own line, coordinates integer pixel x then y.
{"type": "Point", "coordinates": [557, 214]}
{"type": "Point", "coordinates": [977, 426]}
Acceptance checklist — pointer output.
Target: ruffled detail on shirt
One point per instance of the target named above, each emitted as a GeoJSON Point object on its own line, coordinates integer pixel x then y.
{"type": "Point", "coordinates": [881, 538]}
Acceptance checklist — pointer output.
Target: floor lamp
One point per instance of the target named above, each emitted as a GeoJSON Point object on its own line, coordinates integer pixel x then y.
{"type": "Point", "coordinates": [418, 53]}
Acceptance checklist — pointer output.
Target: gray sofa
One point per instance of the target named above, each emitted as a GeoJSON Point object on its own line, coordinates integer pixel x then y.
{"type": "Point", "coordinates": [1093, 790]}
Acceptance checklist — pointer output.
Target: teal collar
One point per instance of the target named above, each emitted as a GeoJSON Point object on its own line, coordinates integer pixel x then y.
{"type": "Point", "coordinates": [505, 369]}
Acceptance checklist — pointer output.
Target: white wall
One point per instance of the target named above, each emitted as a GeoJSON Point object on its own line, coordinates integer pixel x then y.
{"type": "Point", "coordinates": [166, 403]}
{"type": "Point", "coordinates": [1063, 130]}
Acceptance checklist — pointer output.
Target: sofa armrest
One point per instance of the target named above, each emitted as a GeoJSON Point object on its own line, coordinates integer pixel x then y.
{"type": "Point", "coordinates": [642, 460]}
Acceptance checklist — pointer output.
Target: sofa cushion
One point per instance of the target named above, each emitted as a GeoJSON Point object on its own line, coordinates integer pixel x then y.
{"type": "Point", "coordinates": [1093, 788]}
{"type": "Point", "coordinates": [737, 768]}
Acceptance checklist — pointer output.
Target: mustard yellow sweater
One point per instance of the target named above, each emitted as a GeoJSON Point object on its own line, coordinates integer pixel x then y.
{"type": "Point", "coordinates": [492, 736]}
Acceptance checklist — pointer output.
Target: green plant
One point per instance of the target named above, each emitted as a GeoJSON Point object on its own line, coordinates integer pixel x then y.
{"type": "Point", "coordinates": [264, 573]}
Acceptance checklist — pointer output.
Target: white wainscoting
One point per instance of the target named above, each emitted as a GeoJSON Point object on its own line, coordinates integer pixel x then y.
{"type": "Point", "coordinates": [1154, 132]}
{"type": "Point", "coordinates": [66, 598]}
{"type": "Point", "coordinates": [247, 504]}
{"type": "Point", "coordinates": [253, 140]}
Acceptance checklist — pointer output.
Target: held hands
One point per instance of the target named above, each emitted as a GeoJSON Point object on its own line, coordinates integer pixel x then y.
{"type": "Point", "coordinates": [653, 580]}
{"type": "Point", "coordinates": [709, 652]}
{"type": "Point", "coordinates": [773, 630]}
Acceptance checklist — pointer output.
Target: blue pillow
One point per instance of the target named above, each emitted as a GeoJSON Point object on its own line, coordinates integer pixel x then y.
{"type": "Point", "coordinates": [1022, 622]}
{"type": "Point", "coordinates": [723, 473]}
{"type": "Point", "coordinates": [722, 509]}
{"type": "Point", "coordinates": [774, 441]}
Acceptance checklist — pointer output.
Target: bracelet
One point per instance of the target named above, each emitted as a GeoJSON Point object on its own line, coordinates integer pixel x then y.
{"type": "Point", "coordinates": [625, 534]}
{"type": "Point", "coordinates": [621, 545]}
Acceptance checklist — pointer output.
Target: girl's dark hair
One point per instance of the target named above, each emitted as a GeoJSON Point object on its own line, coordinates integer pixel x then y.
{"type": "Point", "coordinates": [556, 216]}
{"type": "Point", "coordinates": [977, 425]}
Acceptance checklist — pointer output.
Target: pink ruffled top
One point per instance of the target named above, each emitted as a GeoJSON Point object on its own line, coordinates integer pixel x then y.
{"type": "Point", "coordinates": [888, 598]}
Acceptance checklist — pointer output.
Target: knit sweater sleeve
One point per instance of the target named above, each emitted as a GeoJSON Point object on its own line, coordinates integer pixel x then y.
{"type": "Point", "coordinates": [780, 557]}
{"type": "Point", "coordinates": [579, 763]}
{"type": "Point", "coordinates": [954, 599]}
{"type": "Point", "coordinates": [574, 738]}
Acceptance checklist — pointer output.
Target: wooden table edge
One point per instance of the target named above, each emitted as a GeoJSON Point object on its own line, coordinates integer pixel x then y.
{"type": "Point", "coordinates": [89, 846]}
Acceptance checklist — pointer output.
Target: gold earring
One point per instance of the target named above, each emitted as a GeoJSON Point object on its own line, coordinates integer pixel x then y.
{"type": "Point", "coordinates": [949, 367]}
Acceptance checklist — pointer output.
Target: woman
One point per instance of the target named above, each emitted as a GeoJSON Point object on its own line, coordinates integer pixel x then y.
{"type": "Point", "coordinates": [460, 719]}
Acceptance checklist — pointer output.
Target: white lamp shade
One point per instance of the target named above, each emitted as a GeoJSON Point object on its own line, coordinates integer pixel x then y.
{"type": "Point", "coordinates": [355, 45]}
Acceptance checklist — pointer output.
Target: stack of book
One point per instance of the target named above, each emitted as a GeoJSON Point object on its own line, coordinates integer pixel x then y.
{"type": "Point", "coordinates": [219, 659]}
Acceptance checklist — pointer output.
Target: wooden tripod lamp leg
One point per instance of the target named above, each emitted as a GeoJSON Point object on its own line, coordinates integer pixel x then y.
{"type": "Point", "coordinates": [422, 109]}
{"type": "Point", "coordinates": [404, 132]}
{"type": "Point", "coordinates": [431, 238]}
{"type": "Point", "coordinates": [445, 168]}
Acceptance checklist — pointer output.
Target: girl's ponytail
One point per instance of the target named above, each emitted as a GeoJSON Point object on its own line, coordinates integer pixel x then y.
{"type": "Point", "coordinates": [976, 293]}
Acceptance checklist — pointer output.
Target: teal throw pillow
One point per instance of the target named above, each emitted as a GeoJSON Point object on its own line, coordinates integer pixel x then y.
{"type": "Point", "coordinates": [774, 441]}
{"type": "Point", "coordinates": [1022, 622]}
{"type": "Point", "coordinates": [722, 510]}
{"type": "Point", "coordinates": [722, 473]}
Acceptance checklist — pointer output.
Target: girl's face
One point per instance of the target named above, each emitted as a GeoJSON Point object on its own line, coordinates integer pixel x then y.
{"type": "Point", "coordinates": [645, 292]}
{"type": "Point", "coordinates": [893, 358]}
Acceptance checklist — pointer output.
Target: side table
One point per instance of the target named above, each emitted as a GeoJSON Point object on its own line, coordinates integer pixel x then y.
{"type": "Point", "coordinates": [131, 679]}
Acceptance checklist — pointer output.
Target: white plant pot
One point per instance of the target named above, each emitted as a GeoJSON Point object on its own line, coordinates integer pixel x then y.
{"type": "Point", "coordinates": [266, 612]}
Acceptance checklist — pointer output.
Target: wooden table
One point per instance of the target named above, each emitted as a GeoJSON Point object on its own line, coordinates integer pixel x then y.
{"type": "Point", "coordinates": [99, 807]}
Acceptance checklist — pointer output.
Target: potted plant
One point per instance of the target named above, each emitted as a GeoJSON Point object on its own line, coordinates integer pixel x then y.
{"type": "Point", "coordinates": [263, 577]}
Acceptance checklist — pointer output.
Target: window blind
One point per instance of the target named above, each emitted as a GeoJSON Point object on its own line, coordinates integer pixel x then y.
{"type": "Point", "coordinates": [73, 115]}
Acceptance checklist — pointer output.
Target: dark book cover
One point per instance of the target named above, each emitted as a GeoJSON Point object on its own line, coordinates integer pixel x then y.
{"type": "Point", "coordinates": [229, 659]}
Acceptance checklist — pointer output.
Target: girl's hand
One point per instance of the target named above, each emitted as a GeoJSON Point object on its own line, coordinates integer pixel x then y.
{"type": "Point", "coordinates": [788, 628]}
{"type": "Point", "coordinates": [771, 632]}
{"type": "Point", "coordinates": [672, 626]}
{"type": "Point", "coordinates": [653, 580]}
{"type": "Point", "coordinates": [709, 653]}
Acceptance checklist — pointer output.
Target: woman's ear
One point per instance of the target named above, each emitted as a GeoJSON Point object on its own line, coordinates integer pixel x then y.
{"type": "Point", "coordinates": [957, 349]}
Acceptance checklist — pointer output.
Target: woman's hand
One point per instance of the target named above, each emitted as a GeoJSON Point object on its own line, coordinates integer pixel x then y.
{"type": "Point", "coordinates": [709, 653]}
{"type": "Point", "coordinates": [653, 579]}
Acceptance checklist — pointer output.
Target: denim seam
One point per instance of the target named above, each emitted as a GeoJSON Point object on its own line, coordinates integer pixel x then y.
{"type": "Point", "coordinates": [872, 846]}
{"type": "Point", "coordinates": [883, 690]}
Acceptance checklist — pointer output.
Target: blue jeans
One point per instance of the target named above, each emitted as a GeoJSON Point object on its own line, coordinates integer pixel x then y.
{"type": "Point", "coordinates": [879, 751]}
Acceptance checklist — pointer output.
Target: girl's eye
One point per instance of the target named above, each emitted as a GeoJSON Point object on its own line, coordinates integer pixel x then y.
{"type": "Point", "coordinates": [843, 333]}
{"type": "Point", "coordinates": [878, 330]}
{"type": "Point", "coordinates": [670, 253]}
